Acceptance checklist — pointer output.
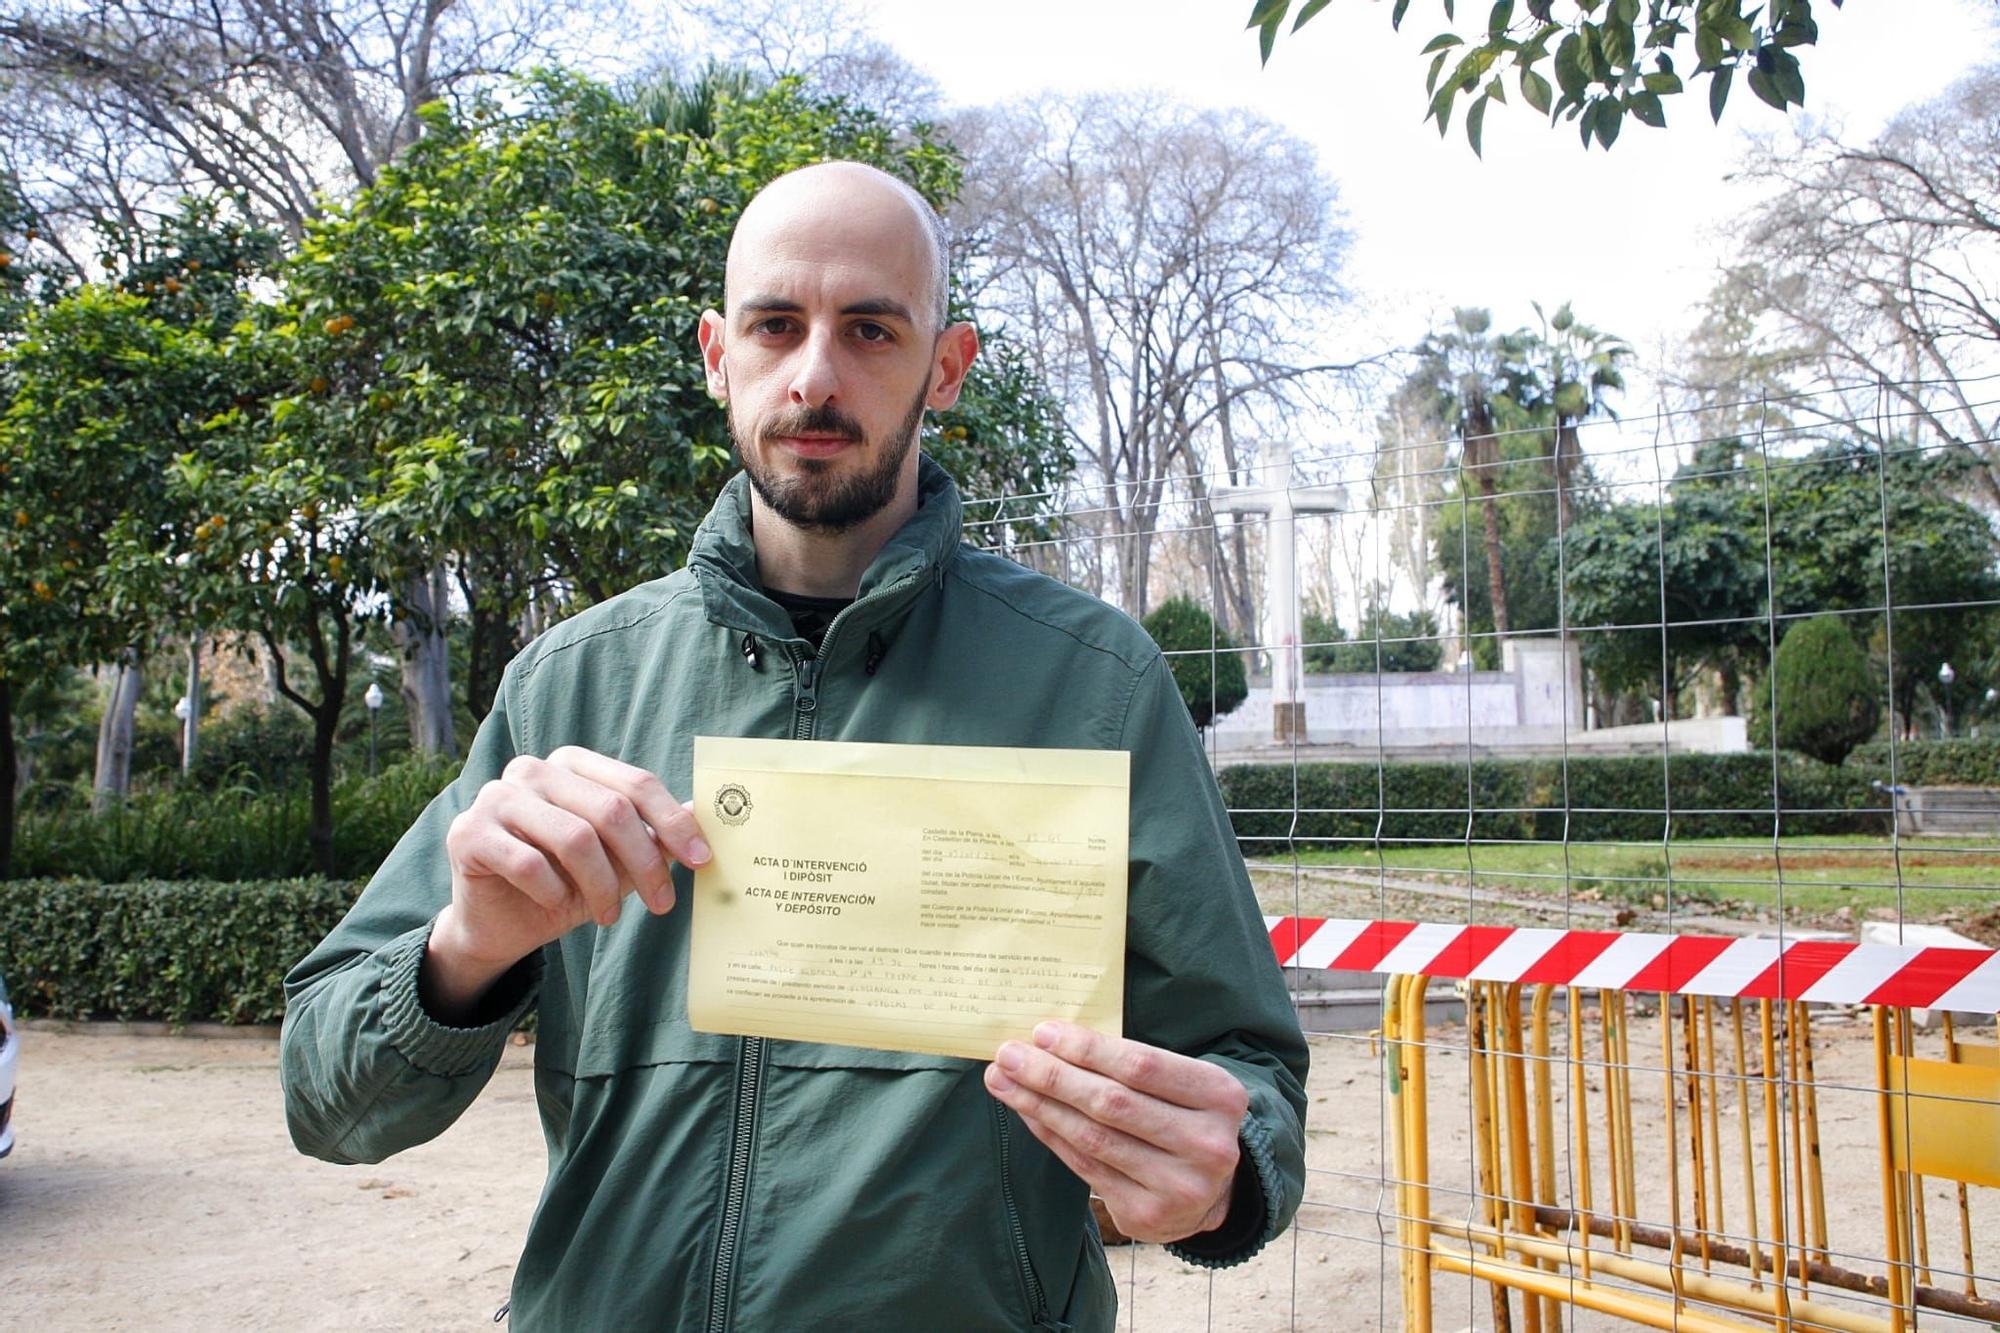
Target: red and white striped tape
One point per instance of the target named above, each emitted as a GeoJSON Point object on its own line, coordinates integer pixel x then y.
{"type": "Point", "coordinates": [1821, 971]}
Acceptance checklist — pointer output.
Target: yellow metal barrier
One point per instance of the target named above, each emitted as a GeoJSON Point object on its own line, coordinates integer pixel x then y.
{"type": "Point", "coordinates": [1553, 1208]}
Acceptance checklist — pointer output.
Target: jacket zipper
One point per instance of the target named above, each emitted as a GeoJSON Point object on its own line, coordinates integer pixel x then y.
{"type": "Point", "coordinates": [750, 1064]}
{"type": "Point", "coordinates": [1038, 1301]}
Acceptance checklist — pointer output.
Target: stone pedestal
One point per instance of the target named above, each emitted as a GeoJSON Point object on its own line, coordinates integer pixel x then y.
{"type": "Point", "coordinates": [1288, 723]}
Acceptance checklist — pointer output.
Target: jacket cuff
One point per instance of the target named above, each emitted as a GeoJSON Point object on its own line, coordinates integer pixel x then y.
{"type": "Point", "coordinates": [1253, 1207]}
{"type": "Point", "coordinates": [429, 1045]}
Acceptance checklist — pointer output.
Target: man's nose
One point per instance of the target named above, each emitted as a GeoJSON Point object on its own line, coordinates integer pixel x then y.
{"type": "Point", "coordinates": [814, 379]}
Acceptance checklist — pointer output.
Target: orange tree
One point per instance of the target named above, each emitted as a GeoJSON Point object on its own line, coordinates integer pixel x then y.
{"type": "Point", "coordinates": [105, 384]}
{"type": "Point", "coordinates": [272, 537]}
{"type": "Point", "coordinates": [27, 617]}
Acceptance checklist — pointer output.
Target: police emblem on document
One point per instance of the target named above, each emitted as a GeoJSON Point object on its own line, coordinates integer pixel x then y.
{"type": "Point", "coordinates": [732, 803]}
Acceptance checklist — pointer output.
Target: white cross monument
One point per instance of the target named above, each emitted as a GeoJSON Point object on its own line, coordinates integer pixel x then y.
{"type": "Point", "coordinates": [1272, 493]}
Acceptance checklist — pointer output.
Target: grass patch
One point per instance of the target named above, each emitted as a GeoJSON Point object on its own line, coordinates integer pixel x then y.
{"type": "Point", "coordinates": [1927, 877]}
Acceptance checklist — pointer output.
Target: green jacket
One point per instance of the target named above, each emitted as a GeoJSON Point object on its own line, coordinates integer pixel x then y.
{"type": "Point", "coordinates": [706, 1182]}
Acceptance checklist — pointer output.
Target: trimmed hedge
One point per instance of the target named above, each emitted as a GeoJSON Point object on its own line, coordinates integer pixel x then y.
{"type": "Point", "coordinates": [191, 952]}
{"type": "Point", "coordinates": [1960, 762]}
{"type": "Point", "coordinates": [1621, 799]}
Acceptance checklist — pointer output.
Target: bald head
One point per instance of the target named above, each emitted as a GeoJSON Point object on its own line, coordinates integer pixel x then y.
{"type": "Point", "coordinates": [828, 199]}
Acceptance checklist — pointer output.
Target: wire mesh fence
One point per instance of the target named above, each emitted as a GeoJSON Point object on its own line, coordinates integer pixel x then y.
{"type": "Point", "coordinates": [1728, 673]}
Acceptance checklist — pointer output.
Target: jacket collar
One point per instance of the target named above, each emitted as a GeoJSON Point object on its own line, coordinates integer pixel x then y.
{"type": "Point", "coordinates": [724, 559]}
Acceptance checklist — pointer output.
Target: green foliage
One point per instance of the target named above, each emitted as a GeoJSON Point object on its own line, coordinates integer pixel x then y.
{"type": "Point", "coordinates": [1691, 563]}
{"type": "Point", "coordinates": [1608, 60]}
{"type": "Point", "coordinates": [1829, 698]}
{"type": "Point", "coordinates": [1841, 520]}
{"type": "Point", "coordinates": [1204, 660]}
{"type": "Point", "coordinates": [1960, 762]}
{"type": "Point", "coordinates": [1588, 800]}
{"type": "Point", "coordinates": [240, 832]}
{"type": "Point", "coordinates": [1004, 443]}
{"type": "Point", "coordinates": [264, 747]}
{"type": "Point", "coordinates": [174, 952]}
{"type": "Point", "coordinates": [1525, 514]}
{"type": "Point", "coordinates": [1830, 513]}
{"type": "Point", "coordinates": [1386, 641]}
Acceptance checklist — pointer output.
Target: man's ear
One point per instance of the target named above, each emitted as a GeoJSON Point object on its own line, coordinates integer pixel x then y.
{"type": "Point", "coordinates": [951, 359]}
{"type": "Point", "coordinates": [709, 334]}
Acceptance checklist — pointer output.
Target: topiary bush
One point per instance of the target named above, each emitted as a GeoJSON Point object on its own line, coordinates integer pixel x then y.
{"type": "Point", "coordinates": [1202, 656]}
{"type": "Point", "coordinates": [194, 952]}
{"type": "Point", "coordinates": [1828, 698]}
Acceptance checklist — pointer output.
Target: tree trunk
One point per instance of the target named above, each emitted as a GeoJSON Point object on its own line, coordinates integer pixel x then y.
{"type": "Point", "coordinates": [1563, 464]}
{"type": "Point", "coordinates": [1732, 689]}
{"type": "Point", "coordinates": [493, 643]}
{"type": "Point", "coordinates": [114, 734]}
{"type": "Point", "coordinates": [7, 777]}
{"type": "Point", "coordinates": [420, 639]}
{"type": "Point", "coordinates": [326, 719]}
{"type": "Point", "coordinates": [1496, 585]}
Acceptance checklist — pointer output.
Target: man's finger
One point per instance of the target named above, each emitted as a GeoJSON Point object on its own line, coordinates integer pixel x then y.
{"type": "Point", "coordinates": [1168, 1075]}
{"type": "Point", "coordinates": [571, 845]}
{"type": "Point", "coordinates": [635, 854]}
{"type": "Point", "coordinates": [488, 848]}
{"type": "Point", "coordinates": [1104, 1100]}
{"type": "Point", "coordinates": [1107, 1181]}
{"type": "Point", "coordinates": [672, 821]}
{"type": "Point", "coordinates": [1102, 1142]}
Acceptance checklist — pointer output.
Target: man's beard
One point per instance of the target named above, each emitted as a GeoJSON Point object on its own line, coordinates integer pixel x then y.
{"type": "Point", "coordinates": [815, 496]}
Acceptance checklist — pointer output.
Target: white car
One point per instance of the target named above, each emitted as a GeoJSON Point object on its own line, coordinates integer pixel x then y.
{"type": "Point", "coordinates": [10, 1050]}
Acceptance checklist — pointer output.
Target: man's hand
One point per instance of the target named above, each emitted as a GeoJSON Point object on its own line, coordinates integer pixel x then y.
{"type": "Point", "coordinates": [1153, 1132]}
{"type": "Point", "coordinates": [549, 845]}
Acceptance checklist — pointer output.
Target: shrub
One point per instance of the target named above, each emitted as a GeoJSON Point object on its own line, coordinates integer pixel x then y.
{"type": "Point", "coordinates": [174, 952]}
{"type": "Point", "coordinates": [1828, 699]}
{"type": "Point", "coordinates": [271, 744]}
{"type": "Point", "coordinates": [236, 833]}
{"type": "Point", "coordinates": [1202, 656]}
{"type": "Point", "coordinates": [1959, 762]}
{"type": "Point", "coordinates": [1407, 642]}
{"type": "Point", "coordinates": [1593, 799]}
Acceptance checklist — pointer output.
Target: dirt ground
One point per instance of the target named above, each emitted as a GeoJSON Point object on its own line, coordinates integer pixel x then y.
{"type": "Point", "coordinates": [154, 1187]}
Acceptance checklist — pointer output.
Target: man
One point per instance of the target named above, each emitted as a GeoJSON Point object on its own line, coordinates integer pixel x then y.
{"type": "Point", "coordinates": [704, 1181]}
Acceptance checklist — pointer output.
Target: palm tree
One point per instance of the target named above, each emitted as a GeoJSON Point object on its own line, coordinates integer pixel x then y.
{"type": "Point", "coordinates": [1583, 369]}
{"type": "Point", "coordinates": [1470, 371]}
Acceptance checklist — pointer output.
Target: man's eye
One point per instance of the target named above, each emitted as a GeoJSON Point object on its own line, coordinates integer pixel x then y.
{"type": "Point", "coordinates": [776, 324]}
{"type": "Point", "coordinates": [871, 332]}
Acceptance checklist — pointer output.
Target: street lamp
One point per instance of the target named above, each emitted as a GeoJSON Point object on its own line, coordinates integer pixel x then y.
{"type": "Point", "coordinates": [1945, 677]}
{"type": "Point", "coordinates": [182, 711]}
{"type": "Point", "coordinates": [373, 698]}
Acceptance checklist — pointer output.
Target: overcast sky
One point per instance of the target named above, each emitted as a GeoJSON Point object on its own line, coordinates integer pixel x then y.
{"type": "Point", "coordinates": [1631, 237]}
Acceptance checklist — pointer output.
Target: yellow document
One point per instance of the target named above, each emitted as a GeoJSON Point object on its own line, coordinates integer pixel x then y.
{"type": "Point", "coordinates": [927, 898]}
